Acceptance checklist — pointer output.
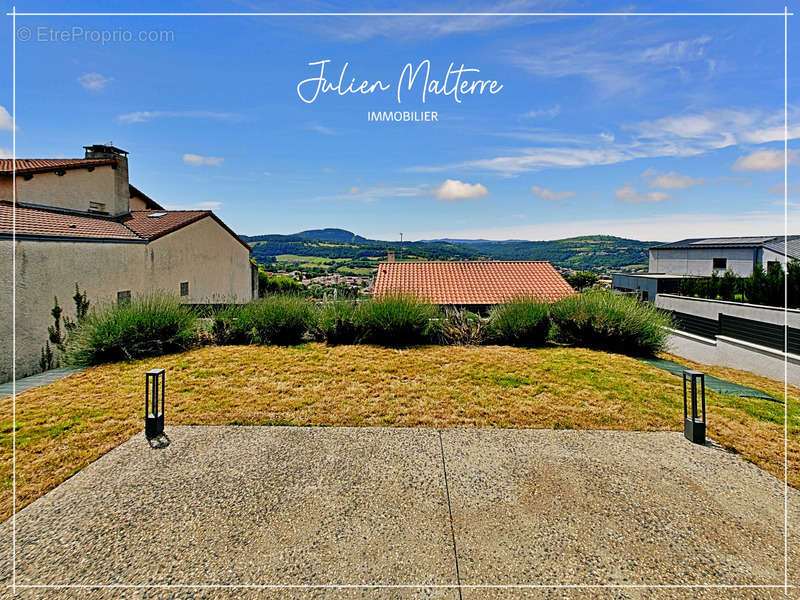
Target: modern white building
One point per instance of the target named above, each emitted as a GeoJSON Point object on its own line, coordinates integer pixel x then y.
{"type": "Point", "coordinates": [79, 221]}
{"type": "Point", "coordinates": [700, 257]}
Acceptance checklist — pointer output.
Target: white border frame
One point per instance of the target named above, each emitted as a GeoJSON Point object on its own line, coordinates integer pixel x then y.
{"type": "Point", "coordinates": [14, 14]}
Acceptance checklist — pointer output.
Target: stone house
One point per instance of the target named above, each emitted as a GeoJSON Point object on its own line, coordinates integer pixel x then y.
{"type": "Point", "coordinates": [80, 221]}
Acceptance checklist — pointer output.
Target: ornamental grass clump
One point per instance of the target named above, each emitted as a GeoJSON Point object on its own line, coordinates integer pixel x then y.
{"type": "Point", "coordinates": [279, 319]}
{"type": "Point", "coordinates": [396, 320]}
{"type": "Point", "coordinates": [601, 320]}
{"type": "Point", "coordinates": [460, 328]}
{"type": "Point", "coordinates": [523, 322]}
{"type": "Point", "coordinates": [334, 323]}
{"type": "Point", "coordinates": [148, 325]}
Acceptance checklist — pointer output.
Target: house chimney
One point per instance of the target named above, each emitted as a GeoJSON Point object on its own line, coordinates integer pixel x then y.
{"type": "Point", "coordinates": [390, 257]}
{"type": "Point", "coordinates": [120, 197]}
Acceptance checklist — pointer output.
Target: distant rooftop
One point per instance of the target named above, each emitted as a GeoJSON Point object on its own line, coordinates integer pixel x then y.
{"type": "Point", "coordinates": [471, 282]}
{"type": "Point", "coordinates": [788, 247]}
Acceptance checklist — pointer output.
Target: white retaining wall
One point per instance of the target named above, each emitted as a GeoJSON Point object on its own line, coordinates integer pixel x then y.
{"type": "Point", "coordinates": [729, 352]}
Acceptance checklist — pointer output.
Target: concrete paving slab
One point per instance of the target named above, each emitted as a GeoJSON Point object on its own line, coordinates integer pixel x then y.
{"type": "Point", "coordinates": [248, 505]}
{"type": "Point", "coordinates": [310, 506]}
{"type": "Point", "coordinates": [577, 507]}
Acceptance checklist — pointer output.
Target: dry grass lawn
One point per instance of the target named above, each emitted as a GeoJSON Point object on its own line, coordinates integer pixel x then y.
{"type": "Point", "coordinates": [64, 426]}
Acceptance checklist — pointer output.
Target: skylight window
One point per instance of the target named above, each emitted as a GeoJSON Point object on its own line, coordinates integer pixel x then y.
{"type": "Point", "coordinates": [156, 215]}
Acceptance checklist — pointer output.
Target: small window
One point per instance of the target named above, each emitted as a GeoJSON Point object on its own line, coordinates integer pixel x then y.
{"type": "Point", "coordinates": [184, 288]}
{"type": "Point", "coordinates": [720, 263]}
{"type": "Point", "coordinates": [124, 297]}
{"type": "Point", "coordinates": [97, 207]}
{"type": "Point", "coordinates": [157, 215]}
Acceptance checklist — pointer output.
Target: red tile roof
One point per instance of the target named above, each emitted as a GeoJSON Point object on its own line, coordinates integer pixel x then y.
{"type": "Point", "coordinates": [42, 165]}
{"type": "Point", "coordinates": [152, 228]}
{"type": "Point", "coordinates": [472, 282]}
{"type": "Point", "coordinates": [136, 226]}
{"type": "Point", "coordinates": [42, 222]}
{"type": "Point", "coordinates": [155, 227]}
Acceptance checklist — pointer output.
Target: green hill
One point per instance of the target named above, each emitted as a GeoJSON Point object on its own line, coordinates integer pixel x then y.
{"type": "Point", "coordinates": [343, 251]}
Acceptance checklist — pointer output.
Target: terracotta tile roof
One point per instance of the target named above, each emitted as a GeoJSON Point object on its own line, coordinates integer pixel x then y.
{"type": "Point", "coordinates": [153, 227]}
{"type": "Point", "coordinates": [136, 226]}
{"type": "Point", "coordinates": [42, 222]}
{"type": "Point", "coordinates": [42, 165]}
{"type": "Point", "coordinates": [472, 282]}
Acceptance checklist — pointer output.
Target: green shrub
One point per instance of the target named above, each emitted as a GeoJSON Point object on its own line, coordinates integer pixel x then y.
{"type": "Point", "coordinates": [728, 286]}
{"type": "Point", "coordinates": [601, 320]}
{"type": "Point", "coordinates": [149, 325]}
{"type": "Point", "coordinates": [278, 319]}
{"type": "Point", "coordinates": [521, 322]}
{"type": "Point", "coordinates": [395, 320]}
{"type": "Point", "coordinates": [335, 323]}
{"type": "Point", "coordinates": [276, 284]}
{"type": "Point", "coordinates": [582, 279]}
{"type": "Point", "coordinates": [460, 327]}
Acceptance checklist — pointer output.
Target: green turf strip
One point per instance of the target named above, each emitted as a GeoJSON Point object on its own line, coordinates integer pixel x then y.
{"type": "Point", "coordinates": [718, 385]}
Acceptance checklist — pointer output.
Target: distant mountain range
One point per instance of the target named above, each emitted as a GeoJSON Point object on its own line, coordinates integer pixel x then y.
{"type": "Point", "coordinates": [593, 252]}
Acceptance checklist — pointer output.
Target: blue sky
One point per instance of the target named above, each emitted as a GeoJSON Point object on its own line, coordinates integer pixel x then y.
{"type": "Point", "coordinates": [655, 128]}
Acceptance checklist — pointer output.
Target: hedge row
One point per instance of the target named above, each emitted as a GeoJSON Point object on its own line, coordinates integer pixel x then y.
{"type": "Point", "coordinates": [154, 325]}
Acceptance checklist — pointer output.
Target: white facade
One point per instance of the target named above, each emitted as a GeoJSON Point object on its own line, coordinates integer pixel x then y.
{"type": "Point", "coordinates": [700, 261]}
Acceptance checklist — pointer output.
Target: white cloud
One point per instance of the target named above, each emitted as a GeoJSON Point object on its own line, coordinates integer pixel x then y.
{"type": "Point", "coordinates": [6, 123]}
{"type": "Point", "coordinates": [546, 113]}
{"type": "Point", "coordinates": [546, 194]}
{"type": "Point", "coordinates": [533, 159]}
{"type": "Point", "coordinates": [613, 58]}
{"type": "Point", "coordinates": [148, 115]}
{"type": "Point", "coordinates": [676, 51]}
{"type": "Point", "coordinates": [5, 152]}
{"type": "Point", "coordinates": [376, 192]}
{"type": "Point", "coordinates": [429, 27]}
{"type": "Point", "coordinates": [779, 189]}
{"type": "Point", "coordinates": [763, 161]}
{"type": "Point", "coordinates": [629, 194]}
{"type": "Point", "coordinates": [197, 161]}
{"type": "Point", "coordinates": [94, 81]}
{"type": "Point", "coordinates": [454, 190]}
{"type": "Point", "coordinates": [320, 129]}
{"type": "Point", "coordinates": [671, 180]}
{"type": "Point", "coordinates": [209, 205]}
{"type": "Point", "coordinates": [682, 135]}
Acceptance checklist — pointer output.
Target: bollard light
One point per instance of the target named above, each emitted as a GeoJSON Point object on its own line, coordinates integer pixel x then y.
{"type": "Point", "coordinates": [154, 403]}
{"type": "Point", "coordinates": [694, 424]}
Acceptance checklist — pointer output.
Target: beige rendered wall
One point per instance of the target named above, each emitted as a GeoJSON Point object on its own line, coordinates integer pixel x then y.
{"type": "Point", "coordinates": [137, 203]}
{"type": "Point", "coordinates": [74, 190]}
{"type": "Point", "coordinates": [215, 264]}
{"type": "Point", "coordinates": [48, 269]}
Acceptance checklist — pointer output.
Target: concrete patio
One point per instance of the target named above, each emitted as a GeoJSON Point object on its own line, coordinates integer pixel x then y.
{"type": "Point", "coordinates": [417, 513]}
